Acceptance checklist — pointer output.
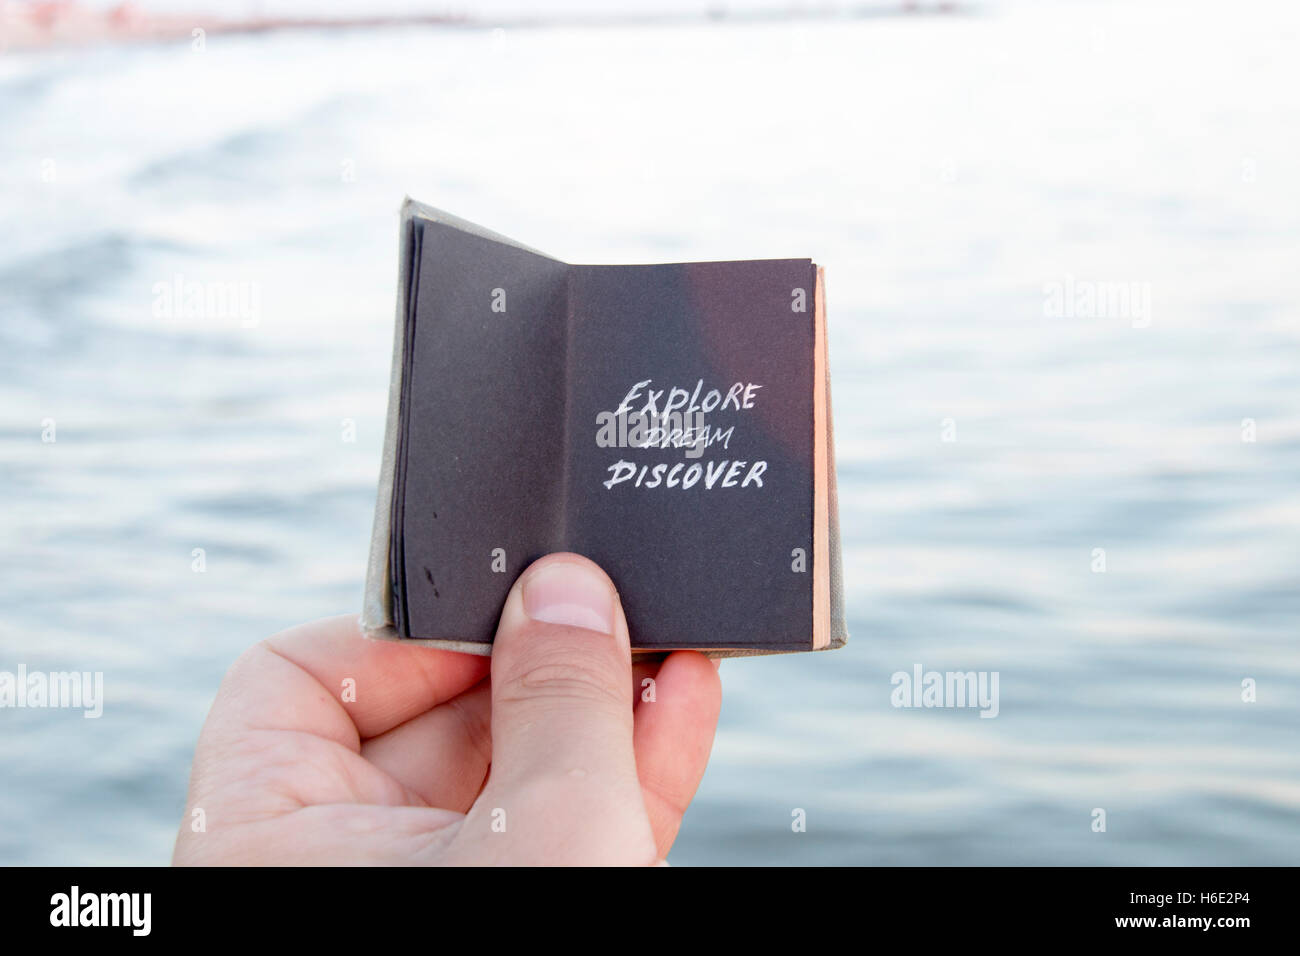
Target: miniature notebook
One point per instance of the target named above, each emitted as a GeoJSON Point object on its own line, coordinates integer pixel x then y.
{"type": "Point", "coordinates": [671, 422]}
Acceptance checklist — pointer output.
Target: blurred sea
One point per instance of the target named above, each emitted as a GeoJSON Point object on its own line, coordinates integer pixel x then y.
{"type": "Point", "coordinates": [945, 170]}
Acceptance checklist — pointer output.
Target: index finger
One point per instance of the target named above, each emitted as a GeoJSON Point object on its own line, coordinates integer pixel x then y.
{"type": "Point", "coordinates": [330, 676]}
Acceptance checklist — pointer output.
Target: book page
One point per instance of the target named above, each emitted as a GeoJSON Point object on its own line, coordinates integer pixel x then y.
{"type": "Point", "coordinates": [690, 447]}
{"type": "Point", "coordinates": [481, 467]}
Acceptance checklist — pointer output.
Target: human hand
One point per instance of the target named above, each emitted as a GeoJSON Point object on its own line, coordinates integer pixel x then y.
{"type": "Point", "coordinates": [554, 758]}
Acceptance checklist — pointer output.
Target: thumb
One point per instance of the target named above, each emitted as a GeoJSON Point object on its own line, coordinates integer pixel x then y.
{"type": "Point", "coordinates": [562, 714]}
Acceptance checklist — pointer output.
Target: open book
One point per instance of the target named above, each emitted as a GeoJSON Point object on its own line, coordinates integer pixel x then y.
{"type": "Point", "coordinates": [670, 422]}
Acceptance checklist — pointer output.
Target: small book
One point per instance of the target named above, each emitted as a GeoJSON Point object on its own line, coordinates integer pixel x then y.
{"type": "Point", "coordinates": [671, 422]}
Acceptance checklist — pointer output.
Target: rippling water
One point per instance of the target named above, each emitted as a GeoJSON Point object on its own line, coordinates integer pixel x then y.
{"type": "Point", "coordinates": [947, 171]}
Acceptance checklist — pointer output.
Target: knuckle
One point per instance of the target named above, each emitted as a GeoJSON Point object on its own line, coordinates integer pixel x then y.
{"type": "Point", "coordinates": [544, 677]}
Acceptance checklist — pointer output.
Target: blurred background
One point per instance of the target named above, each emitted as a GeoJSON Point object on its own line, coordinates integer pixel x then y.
{"type": "Point", "coordinates": [960, 169]}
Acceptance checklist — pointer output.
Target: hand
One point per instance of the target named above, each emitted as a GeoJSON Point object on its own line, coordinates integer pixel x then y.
{"type": "Point", "coordinates": [555, 758]}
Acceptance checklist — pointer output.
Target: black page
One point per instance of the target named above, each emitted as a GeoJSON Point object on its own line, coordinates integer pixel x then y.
{"type": "Point", "coordinates": [498, 446]}
{"type": "Point", "coordinates": [397, 550]}
{"type": "Point", "coordinates": [698, 566]}
{"type": "Point", "coordinates": [483, 428]}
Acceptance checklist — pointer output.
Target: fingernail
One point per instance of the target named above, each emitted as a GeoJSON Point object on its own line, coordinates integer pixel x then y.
{"type": "Point", "coordinates": [567, 592]}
